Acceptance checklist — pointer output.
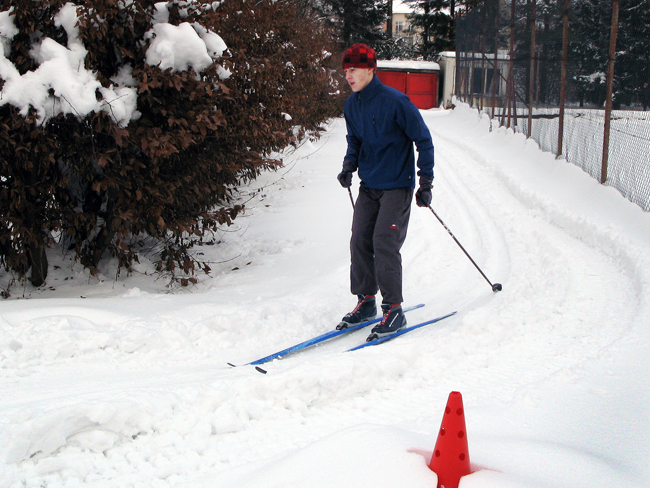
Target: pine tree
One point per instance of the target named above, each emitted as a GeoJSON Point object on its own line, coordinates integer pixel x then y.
{"type": "Point", "coordinates": [356, 20]}
{"type": "Point", "coordinates": [589, 41]}
{"type": "Point", "coordinates": [632, 69]}
{"type": "Point", "coordinates": [434, 19]}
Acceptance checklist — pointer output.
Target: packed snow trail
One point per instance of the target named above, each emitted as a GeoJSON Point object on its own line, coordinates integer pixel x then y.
{"type": "Point", "coordinates": [578, 285]}
{"type": "Point", "coordinates": [129, 386]}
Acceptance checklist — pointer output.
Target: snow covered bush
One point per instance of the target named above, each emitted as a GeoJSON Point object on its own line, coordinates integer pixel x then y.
{"type": "Point", "coordinates": [129, 119]}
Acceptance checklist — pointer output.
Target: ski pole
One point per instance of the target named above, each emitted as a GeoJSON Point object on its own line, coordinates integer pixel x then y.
{"type": "Point", "coordinates": [351, 199]}
{"type": "Point", "coordinates": [496, 286]}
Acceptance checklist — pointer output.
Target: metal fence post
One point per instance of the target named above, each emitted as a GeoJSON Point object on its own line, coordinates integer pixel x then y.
{"type": "Point", "coordinates": [565, 56]}
{"type": "Point", "coordinates": [531, 75]}
{"type": "Point", "coordinates": [512, 99]}
{"type": "Point", "coordinates": [483, 70]}
{"type": "Point", "coordinates": [610, 89]}
{"type": "Point", "coordinates": [495, 77]}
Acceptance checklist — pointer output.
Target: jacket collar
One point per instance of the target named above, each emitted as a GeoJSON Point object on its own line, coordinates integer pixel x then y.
{"type": "Point", "coordinates": [371, 90]}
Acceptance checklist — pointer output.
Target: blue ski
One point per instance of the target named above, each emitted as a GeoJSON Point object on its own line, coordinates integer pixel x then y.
{"type": "Point", "coordinates": [400, 332]}
{"type": "Point", "coordinates": [319, 339]}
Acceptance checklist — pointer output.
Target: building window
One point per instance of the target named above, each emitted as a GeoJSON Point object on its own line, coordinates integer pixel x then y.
{"type": "Point", "coordinates": [399, 27]}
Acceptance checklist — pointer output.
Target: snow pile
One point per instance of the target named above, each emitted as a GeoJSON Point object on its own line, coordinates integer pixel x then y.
{"type": "Point", "coordinates": [62, 85]}
{"type": "Point", "coordinates": [183, 46]}
{"type": "Point", "coordinates": [128, 386]}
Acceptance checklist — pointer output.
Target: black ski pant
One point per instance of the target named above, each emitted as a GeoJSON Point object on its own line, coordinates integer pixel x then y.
{"type": "Point", "coordinates": [379, 228]}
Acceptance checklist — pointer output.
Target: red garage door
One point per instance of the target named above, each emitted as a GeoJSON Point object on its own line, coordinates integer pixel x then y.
{"type": "Point", "coordinates": [396, 79]}
{"type": "Point", "coordinates": [421, 88]}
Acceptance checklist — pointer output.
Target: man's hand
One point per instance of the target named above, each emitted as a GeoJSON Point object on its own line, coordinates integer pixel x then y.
{"type": "Point", "coordinates": [345, 176]}
{"type": "Point", "coordinates": [423, 195]}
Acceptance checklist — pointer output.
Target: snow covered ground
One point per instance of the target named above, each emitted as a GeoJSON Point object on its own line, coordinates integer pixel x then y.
{"type": "Point", "coordinates": [123, 383]}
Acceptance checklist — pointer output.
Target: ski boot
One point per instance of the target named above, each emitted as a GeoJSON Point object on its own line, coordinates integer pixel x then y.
{"type": "Point", "coordinates": [365, 310]}
{"type": "Point", "coordinates": [392, 321]}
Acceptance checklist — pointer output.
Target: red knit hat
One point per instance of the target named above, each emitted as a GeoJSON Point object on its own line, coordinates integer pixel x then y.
{"type": "Point", "coordinates": [359, 56]}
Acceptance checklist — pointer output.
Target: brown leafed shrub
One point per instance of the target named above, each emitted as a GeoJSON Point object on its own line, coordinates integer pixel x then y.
{"type": "Point", "coordinates": [99, 184]}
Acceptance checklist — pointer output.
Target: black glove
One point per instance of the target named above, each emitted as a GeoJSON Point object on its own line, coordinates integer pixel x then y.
{"type": "Point", "coordinates": [345, 176]}
{"type": "Point", "coordinates": [423, 195]}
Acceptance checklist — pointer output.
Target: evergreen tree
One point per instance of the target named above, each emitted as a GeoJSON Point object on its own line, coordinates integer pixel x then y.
{"type": "Point", "coordinates": [434, 19]}
{"type": "Point", "coordinates": [632, 69]}
{"type": "Point", "coordinates": [356, 20]}
{"type": "Point", "coordinates": [588, 45]}
{"type": "Point", "coordinates": [589, 48]}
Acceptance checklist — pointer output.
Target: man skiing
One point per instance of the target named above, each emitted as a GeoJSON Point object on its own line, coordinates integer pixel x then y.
{"type": "Point", "coordinates": [382, 124]}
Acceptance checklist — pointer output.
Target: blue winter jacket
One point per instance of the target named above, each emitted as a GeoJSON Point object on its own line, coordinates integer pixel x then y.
{"type": "Point", "coordinates": [382, 126]}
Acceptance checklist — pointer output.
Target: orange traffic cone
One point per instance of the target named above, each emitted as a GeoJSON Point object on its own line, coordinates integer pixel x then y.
{"type": "Point", "coordinates": [450, 460]}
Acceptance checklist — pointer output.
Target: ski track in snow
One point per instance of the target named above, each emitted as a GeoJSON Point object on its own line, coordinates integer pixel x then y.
{"type": "Point", "coordinates": [135, 391]}
{"type": "Point", "coordinates": [553, 278]}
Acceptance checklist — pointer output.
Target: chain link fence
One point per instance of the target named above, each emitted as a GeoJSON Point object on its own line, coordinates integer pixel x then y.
{"type": "Point", "coordinates": [572, 74]}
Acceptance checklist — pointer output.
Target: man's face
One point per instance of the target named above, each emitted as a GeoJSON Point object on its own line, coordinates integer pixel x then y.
{"type": "Point", "coordinates": [358, 78]}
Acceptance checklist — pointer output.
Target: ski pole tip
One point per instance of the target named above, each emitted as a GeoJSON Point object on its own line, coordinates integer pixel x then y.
{"type": "Point", "coordinates": [497, 287]}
